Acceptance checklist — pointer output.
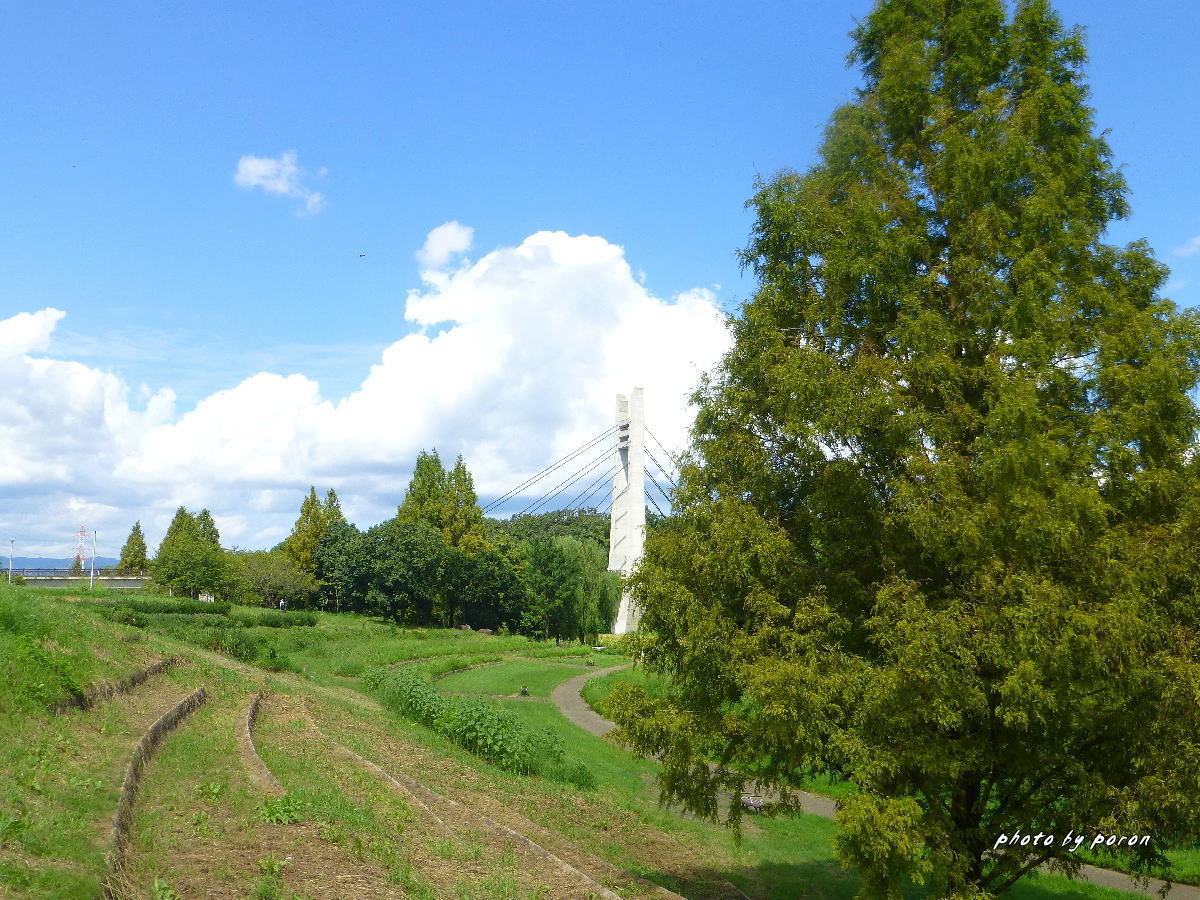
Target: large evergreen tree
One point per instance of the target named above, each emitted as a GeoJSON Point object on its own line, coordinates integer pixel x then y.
{"type": "Point", "coordinates": [187, 560]}
{"type": "Point", "coordinates": [207, 528]}
{"type": "Point", "coordinates": [426, 500]}
{"type": "Point", "coordinates": [464, 527]}
{"type": "Point", "coordinates": [301, 544]}
{"type": "Point", "coordinates": [939, 532]}
{"type": "Point", "coordinates": [134, 553]}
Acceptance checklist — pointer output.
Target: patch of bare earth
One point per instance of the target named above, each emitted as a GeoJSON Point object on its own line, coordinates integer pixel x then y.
{"type": "Point", "coordinates": [640, 841]}
{"type": "Point", "coordinates": [217, 847]}
{"type": "Point", "coordinates": [448, 848]}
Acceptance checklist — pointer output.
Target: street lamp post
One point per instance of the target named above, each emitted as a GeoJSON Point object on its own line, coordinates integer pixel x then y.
{"type": "Point", "coordinates": [92, 578]}
{"type": "Point", "coordinates": [10, 549]}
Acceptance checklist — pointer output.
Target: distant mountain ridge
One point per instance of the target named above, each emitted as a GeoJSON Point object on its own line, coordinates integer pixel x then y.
{"type": "Point", "coordinates": [45, 562]}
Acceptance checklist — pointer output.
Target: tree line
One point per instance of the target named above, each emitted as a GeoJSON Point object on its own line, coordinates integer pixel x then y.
{"type": "Point", "coordinates": [437, 562]}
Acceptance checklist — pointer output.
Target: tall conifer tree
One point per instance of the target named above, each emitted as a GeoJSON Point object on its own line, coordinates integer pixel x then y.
{"type": "Point", "coordinates": [464, 527]}
{"type": "Point", "coordinates": [134, 554]}
{"type": "Point", "coordinates": [301, 544]}
{"type": "Point", "coordinates": [942, 537]}
{"type": "Point", "coordinates": [426, 499]}
{"type": "Point", "coordinates": [207, 528]}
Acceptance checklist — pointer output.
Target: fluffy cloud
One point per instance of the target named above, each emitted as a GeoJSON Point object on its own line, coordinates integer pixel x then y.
{"type": "Point", "coordinates": [1191, 248]}
{"type": "Point", "coordinates": [277, 176]}
{"type": "Point", "coordinates": [443, 244]}
{"type": "Point", "coordinates": [514, 360]}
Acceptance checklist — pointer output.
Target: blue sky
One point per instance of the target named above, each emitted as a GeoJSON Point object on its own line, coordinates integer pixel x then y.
{"type": "Point", "coordinates": [641, 124]}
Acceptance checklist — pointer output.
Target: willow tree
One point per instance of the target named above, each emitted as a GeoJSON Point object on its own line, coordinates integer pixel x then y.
{"type": "Point", "coordinates": [939, 532]}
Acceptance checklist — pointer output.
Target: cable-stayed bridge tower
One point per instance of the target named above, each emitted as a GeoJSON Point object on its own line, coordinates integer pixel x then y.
{"type": "Point", "coordinates": [627, 524]}
{"type": "Point", "coordinates": [616, 462]}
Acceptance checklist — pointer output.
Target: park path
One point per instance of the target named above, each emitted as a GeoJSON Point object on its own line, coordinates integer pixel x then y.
{"type": "Point", "coordinates": [568, 697]}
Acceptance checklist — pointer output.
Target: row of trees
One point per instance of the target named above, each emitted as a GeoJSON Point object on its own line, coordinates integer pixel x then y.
{"type": "Point", "coordinates": [438, 561]}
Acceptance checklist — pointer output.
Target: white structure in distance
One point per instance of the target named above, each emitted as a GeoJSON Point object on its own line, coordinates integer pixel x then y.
{"type": "Point", "coordinates": [627, 522]}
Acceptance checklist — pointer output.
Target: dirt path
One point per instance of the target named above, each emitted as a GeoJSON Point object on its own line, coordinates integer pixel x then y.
{"type": "Point", "coordinates": [568, 697]}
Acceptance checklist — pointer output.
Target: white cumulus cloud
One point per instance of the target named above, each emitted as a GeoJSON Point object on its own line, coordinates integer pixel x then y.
{"type": "Point", "coordinates": [513, 361]}
{"type": "Point", "coordinates": [444, 243]}
{"type": "Point", "coordinates": [281, 175]}
{"type": "Point", "coordinates": [1191, 248]}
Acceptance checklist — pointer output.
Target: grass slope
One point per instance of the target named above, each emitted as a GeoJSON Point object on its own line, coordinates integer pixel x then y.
{"type": "Point", "coordinates": [203, 829]}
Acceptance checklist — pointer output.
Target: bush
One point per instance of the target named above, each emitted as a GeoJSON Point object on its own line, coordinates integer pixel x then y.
{"type": "Point", "coordinates": [266, 618]}
{"type": "Point", "coordinates": [150, 606]}
{"type": "Point", "coordinates": [124, 615]}
{"type": "Point", "coordinates": [494, 734]}
{"type": "Point", "coordinates": [576, 774]}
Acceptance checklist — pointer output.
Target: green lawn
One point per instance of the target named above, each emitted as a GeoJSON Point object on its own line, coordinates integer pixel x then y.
{"type": "Point", "coordinates": [509, 677]}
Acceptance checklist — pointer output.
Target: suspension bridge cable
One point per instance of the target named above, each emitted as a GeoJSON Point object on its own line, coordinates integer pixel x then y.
{"type": "Point", "coordinates": [546, 471]}
{"type": "Point", "coordinates": [671, 456]}
{"type": "Point", "coordinates": [604, 480]}
{"type": "Point", "coordinates": [590, 487]}
{"type": "Point", "coordinates": [661, 468]}
{"type": "Point", "coordinates": [608, 505]}
{"type": "Point", "coordinates": [555, 491]}
{"type": "Point", "coordinates": [655, 502]}
{"type": "Point", "coordinates": [666, 496]}
{"type": "Point", "coordinates": [529, 482]}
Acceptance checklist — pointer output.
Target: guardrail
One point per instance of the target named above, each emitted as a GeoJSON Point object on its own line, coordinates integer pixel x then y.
{"type": "Point", "coordinates": [68, 573]}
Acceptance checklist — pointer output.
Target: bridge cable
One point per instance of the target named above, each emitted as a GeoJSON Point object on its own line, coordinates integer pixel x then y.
{"type": "Point", "coordinates": [529, 482]}
{"type": "Point", "coordinates": [650, 497]}
{"type": "Point", "coordinates": [568, 483]}
{"type": "Point", "coordinates": [550, 468]}
{"type": "Point", "coordinates": [600, 484]}
{"type": "Point", "coordinates": [591, 487]}
{"type": "Point", "coordinates": [666, 474]}
{"type": "Point", "coordinates": [555, 491]}
{"type": "Point", "coordinates": [666, 496]}
{"type": "Point", "coordinates": [671, 456]}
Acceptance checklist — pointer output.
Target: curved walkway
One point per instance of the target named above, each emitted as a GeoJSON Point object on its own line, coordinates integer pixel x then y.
{"type": "Point", "coordinates": [568, 697]}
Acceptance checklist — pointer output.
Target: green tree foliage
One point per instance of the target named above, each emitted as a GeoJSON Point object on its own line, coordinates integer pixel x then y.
{"type": "Point", "coordinates": [425, 500]}
{"type": "Point", "coordinates": [411, 571]}
{"type": "Point", "coordinates": [585, 524]}
{"type": "Point", "coordinates": [464, 527]}
{"type": "Point", "coordinates": [207, 528]}
{"type": "Point", "coordinates": [187, 561]}
{"type": "Point", "coordinates": [939, 531]}
{"type": "Point", "coordinates": [445, 501]}
{"type": "Point", "coordinates": [301, 544]}
{"type": "Point", "coordinates": [268, 576]}
{"type": "Point", "coordinates": [570, 593]}
{"type": "Point", "coordinates": [331, 509]}
{"type": "Point", "coordinates": [134, 554]}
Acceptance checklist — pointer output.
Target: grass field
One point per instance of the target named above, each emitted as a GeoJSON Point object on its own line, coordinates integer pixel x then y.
{"type": "Point", "coordinates": [203, 827]}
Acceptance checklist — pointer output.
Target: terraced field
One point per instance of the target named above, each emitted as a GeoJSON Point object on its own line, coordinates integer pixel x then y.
{"type": "Point", "coordinates": [327, 792]}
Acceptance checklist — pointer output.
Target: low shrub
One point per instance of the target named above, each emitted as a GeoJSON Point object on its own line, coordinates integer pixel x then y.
{"type": "Point", "coordinates": [576, 774]}
{"type": "Point", "coordinates": [161, 605]}
{"type": "Point", "coordinates": [166, 620]}
{"type": "Point", "coordinates": [488, 731]}
{"type": "Point", "coordinates": [124, 615]}
{"type": "Point", "coordinates": [266, 618]}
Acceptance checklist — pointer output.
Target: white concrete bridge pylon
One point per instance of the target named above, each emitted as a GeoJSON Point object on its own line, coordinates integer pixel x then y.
{"type": "Point", "coordinates": [627, 523]}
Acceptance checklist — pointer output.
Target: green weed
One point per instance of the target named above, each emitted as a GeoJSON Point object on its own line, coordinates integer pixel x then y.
{"type": "Point", "coordinates": [283, 810]}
